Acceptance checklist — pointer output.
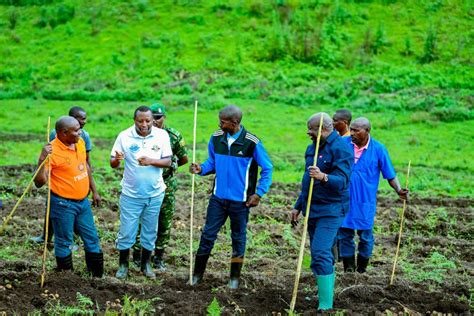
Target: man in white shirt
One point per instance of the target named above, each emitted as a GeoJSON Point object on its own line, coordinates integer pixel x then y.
{"type": "Point", "coordinates": [145, 150]}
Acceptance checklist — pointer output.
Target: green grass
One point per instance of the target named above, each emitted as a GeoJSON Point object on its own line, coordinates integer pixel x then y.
{"type": "Point", "coordinates": [439, 151]}
{"type": "Point", "coordinates": [281, 61]}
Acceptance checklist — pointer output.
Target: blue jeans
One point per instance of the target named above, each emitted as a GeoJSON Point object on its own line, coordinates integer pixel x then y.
{"type": "Point", "coordinates": [132, 212]}
{"type": "Point", "coordinates": [68, 215]}
{"type": "Point", "coordinates": [217, 212]}
{"type": "Point", "coordinates": [347, 244]}
{"type": "Point", "coordinates": [322, 233]}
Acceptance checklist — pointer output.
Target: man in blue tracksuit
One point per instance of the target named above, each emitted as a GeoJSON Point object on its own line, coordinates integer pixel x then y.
{"type": "Point", "coordinates": [234, 156]}
{"type": "Point", "coordinates": [329, 200]}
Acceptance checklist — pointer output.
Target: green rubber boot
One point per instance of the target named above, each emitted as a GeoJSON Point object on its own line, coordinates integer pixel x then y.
{"type": "Point", "coordinates": [326, 291]}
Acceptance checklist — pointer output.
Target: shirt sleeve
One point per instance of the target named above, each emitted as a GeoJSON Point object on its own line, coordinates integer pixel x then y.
{"type": "Point", "coordinates": [302, 197]}
{"type": "Point", "coordinates": [166, 152]}
{"type": "Point", "coordinates": [180, 150]}
{"type": "Point", "coordinates": [117, 146]}
{"type": "Point", "coordinates": [87, 141]}
{"type": "Point", "coordinates": [263, 160]}
{"type": "Point", "coordinates": [52, 135]}
{"type": "Point", "coordinates": [299, 203]}
{"type": "Point", "coordinates": [340, 174]}
{"type": "Point", "coordinates": [208, 166]}
{"type": "Point", "coordinates": [385, 164]}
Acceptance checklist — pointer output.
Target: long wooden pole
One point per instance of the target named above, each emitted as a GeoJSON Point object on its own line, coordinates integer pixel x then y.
{"type": "Point", "coordinates": [9, 217]}
{"type": "Point", "coordinates": [191, 215]}
{"type": "Point", "coordinates": [305, 228]}
{"type": "Point", "coordinates": [401, 227]}
{"type": "Point", "coordinates": [48, 208]}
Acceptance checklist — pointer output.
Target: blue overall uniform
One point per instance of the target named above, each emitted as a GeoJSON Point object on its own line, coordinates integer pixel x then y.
{"type": "Point", "coordinates": [363, 198]}
{"type": "Point", "coordinates": [329, 201]}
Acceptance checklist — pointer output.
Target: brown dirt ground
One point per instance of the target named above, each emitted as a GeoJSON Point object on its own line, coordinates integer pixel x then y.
{"type": "Point", "coordinates": [268, 276]}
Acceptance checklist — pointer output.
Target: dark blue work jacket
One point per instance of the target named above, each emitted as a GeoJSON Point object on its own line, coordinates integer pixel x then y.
{"type": "Point", "coordinates": [331, 198]}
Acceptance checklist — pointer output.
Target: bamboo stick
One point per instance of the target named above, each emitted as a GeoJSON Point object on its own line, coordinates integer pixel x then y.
{"type": "Point", "coordinates": [191, 215]}
{"type": "Point", "coordinates": [48, 208]}
{"type": "Point", "coordinates": [401, 227]}
{"type": "Point", "coordinates": [305, 228]}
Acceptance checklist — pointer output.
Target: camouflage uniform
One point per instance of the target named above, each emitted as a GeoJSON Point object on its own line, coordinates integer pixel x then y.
{"type": "Point", "coordinates": [169, 202]}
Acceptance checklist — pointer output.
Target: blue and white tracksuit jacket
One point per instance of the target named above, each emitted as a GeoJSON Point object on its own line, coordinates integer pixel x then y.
{"type": "Point", "coordinates": [236, 168]}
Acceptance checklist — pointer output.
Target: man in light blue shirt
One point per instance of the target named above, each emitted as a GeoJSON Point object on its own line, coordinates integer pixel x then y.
{"type": "Point", "coordinates": [145, 150]}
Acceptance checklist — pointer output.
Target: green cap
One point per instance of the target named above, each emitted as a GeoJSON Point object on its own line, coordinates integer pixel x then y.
{"type": "Point", "coordinates": [158, 109]}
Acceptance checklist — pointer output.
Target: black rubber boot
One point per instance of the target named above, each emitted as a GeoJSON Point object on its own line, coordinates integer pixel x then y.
{"type": "Point", "coordinates": [349, 264]}
{"type": "Point", "coordinates": [95, 264]}
{"type": "Point", "coordinates": [145, 264]}
{"type": "Point", "coordinates": [64, 263]}
{"type": "Point", "coordinates": [199, 268]}
{"type": "Point", "coordinates": [235, 268]}
{"type": "Point", "coordinates": [362, 263]}
{"type": "Point", "coordinates": [136, 256]}
{"type": "Point", "coordinates": [122, 272]}
{"type": "Point", "coordinates": [158, 261]}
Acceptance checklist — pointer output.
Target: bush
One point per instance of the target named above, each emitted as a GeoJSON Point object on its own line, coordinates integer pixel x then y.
{"type": "Point", "coordinates": [408, 50]}
{"type": "Point", "coordinates": [141, 5]}
{"type": "Point", "coordinates": [13, 17]}
{"type": "Point", "coordinates": [380, 41]}
{"type": "Point", "coordinates": [25, 2]}
{"type": "Point", "coordinates": [456, 114]}
{"type": "Point", "coordinates": [64, 14]}
{"type": "Point", "coordinates": [55, 16]}
{"type": "Point", "coordinates": [430, 52]}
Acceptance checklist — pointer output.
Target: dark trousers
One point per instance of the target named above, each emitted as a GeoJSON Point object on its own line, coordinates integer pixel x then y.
{"type": "Point", "coordinates": [217, 212]}
{"type": "Point", "coordinates": [322, 233]}
{"type": "Point", "coordinates": [347, 244]}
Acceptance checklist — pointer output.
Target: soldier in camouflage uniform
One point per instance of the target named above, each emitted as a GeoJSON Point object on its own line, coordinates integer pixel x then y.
{"type": "Point", "coordinates": [180, 157]}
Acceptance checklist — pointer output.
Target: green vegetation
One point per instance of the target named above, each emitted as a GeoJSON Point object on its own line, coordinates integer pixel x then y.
{"type": "Point", "coordinates": [282, 129]}
{"type": "Point", "coordinates": [406, 65]}
{"type": "Point", "coordinates": [214, 309]}
{"type": "Point", "coordinates": [435, 269]}
{"type": "Point", "coordinates": [85, 306]}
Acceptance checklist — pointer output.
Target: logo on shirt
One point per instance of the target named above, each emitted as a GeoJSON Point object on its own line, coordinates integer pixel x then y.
{"type": "Point", "coordinates": [155, 148]}
{"type": "Point", "coordinates": [134, 148]}
{"type": "Point", "coordinates": [81, 167]}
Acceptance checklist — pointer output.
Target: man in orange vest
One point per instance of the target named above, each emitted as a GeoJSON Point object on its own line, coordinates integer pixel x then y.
{"type": "Point", "coordinates": [70, 186]}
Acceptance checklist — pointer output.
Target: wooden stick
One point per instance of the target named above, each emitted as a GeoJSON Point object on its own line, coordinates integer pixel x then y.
{"type": "Point", "coordinates": [48, 207]}
{"type": "Point", "coordinates": [191, 215]}
{"type": "Point", "coordinates": [305, 228]}
{"type": "Point", "coordinates": [9, 217]}
{"type": "Point", "coordinates": [401, 227]}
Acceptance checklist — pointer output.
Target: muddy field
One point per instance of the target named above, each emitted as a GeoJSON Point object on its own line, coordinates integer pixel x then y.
{"type": "Point", "coordinates": [434, 275]}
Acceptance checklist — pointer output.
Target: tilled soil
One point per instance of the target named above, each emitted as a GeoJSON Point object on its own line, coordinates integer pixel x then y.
{"type": "Point", "coordinates": [433, 226]}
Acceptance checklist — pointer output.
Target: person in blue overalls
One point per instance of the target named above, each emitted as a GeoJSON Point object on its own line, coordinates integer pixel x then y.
{"type": "Point", "coordinates": [370, 159]}
{"type": "Point", "coordinates": [329, 201]}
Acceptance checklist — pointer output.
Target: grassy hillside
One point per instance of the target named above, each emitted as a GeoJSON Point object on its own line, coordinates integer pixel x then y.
{"type": "Point", "coordinates": [406, 65]}
{"type": "Point", "coordinates": [294, 52]}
